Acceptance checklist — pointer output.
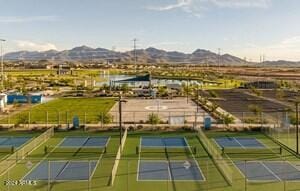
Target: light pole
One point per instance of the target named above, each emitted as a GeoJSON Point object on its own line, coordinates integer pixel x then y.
{"type": "Point", "coordinates": [120, 100]}
{"type": "Point", "coordinates": [297, 101]}
{"type": "Point", "coordinates": [2, 67]}
{"type": "Point", "coordinates": [297, 126]}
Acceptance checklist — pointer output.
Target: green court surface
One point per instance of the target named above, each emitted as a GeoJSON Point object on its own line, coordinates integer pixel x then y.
{"type": "Point", "coordinates": [4, 152]}
{"type": "Point", "coordinates": [129, 178]}
{"type": "Point", "coordinates": [100, 177]}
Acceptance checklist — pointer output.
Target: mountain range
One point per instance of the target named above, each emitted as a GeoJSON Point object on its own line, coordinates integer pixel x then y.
{"type": "Point", "coordinates": [149, 55]}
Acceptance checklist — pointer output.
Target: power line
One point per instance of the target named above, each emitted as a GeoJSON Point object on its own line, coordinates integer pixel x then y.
{"type": "Point", "coordinates": [135, 55]}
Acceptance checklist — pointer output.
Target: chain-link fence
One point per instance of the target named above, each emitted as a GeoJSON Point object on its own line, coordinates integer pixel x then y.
{"type": "Point", "coordinates": [43, 175]}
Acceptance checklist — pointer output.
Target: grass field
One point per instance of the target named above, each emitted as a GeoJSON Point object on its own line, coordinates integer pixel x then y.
{"type": "Point", "coordinates": [62, 111]}
{"type": "Point", "coordinates": [128, 168]}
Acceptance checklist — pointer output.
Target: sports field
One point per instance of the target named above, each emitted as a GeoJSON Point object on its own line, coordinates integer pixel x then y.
{"type": "Point", "coordinates": [62, 111]}
{"type": "Point", "coordinates": [174, 111]}
{"type": "Point", "coordinates": [178, 160]}
{"type": "Point", "coordinates": [68, 161]}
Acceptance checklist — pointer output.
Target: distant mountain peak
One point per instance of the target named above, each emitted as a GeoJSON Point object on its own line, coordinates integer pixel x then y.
{"type": "Point", "coordinates": [82, 48]}
{"type": "Point", "coordinates": [148, 55]}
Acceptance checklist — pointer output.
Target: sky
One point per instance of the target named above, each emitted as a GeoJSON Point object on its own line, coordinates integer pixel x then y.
{"type": "Point", "coordinates": [244, 28]}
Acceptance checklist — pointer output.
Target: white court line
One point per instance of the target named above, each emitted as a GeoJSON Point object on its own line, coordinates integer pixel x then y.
{"type": "Point", "coordinates": [139, 158]}
{"type": "Point", "coordinates": [99, 159]}
{"type": "Point", "coordinates": [204, 179]}
{"type": "Point", "coordinates": [238, 142]}
{"type": "Point", "coordinates": [270, 171]}
{"type": "Point", "coordinates": [62, 170]}
{"type": "Point", "coordinates": [42, 159]}
{"type": "Point", "coordinates": [153, 180]}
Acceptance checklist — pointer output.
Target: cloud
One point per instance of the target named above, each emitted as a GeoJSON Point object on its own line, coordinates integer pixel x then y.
{"type": "Point", "coordinates": [197, 7]}
{"type": "Point", "coordinates": [242, 3]}
{"type": "Point", "coordinates": [178, 4]}
{"type": "Point", "coordinates": [13, 19]}
{"type": "Point", "coordinates": [32, 46]}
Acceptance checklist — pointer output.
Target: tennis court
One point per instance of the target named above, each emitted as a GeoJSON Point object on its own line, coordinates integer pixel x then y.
{"type": "Point", "coordinates": [85, 142]}
{"type": "Point", "coordinates": [238, 142]}
{"type": "Point", "coordinates": [73, 169]}
{"type": "Point", "coordinates": [14, 142]}
{"type": "Point", "coordinates": [175, 160]}
{"type": "Point", "coordinates": [163, 142]}
{"type": "Point", "coordinates": [172, 170]}
{"type": "Point", "coordinates": [269, 171]}
{"type": "Point", "coordinates": [62, 171]}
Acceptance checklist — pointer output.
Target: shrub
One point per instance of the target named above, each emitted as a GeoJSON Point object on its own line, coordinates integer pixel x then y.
{"type": "Point", "coordinates": [257, 110]}
{"type": "Point", "coordinates": [105, 118]}
{"type": "Point", "coordinates": [153, 119]}
{"type": "Point", "coordinates": [227, 119]}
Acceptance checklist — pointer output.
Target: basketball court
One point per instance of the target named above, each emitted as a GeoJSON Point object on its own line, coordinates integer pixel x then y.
{"type": "Point", "coordinates": [172, 111]}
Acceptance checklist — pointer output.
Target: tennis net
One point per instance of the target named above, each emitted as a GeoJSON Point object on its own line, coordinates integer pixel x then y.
{"type": "Point", "coordinates": [8, 149]}
{"type": "Point", "coordinates": [180, 150]}
{"type": "Point", "coordinates": [51, 149]}
{"type": "Point", "coordinates": [260, 151]}
{"type": "Point", "coordinates": [221, 163]}
{"type": "Point", "coordinates": [20, 154]}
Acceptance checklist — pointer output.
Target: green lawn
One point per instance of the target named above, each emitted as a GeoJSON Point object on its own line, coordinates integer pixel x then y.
{"type": "Point", "coordinates": [62, 111]}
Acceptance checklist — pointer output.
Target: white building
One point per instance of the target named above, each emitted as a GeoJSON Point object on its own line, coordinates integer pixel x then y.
{"type": "Point", "coordinates": [3, 101]}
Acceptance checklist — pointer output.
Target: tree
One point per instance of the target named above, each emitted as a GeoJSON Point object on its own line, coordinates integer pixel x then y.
{"type": "Point", "coordinates": [153, 119]}
{"type": "Point", "coordinates": [280, 94]}
{"type": "Point", "coordinates": [227, 119]}
{"type": "Point", "coordinates": [257, 92]}
{"type": "Point", "coordinates": [125, 87]}
{"type": "Point", "coordinates": [106, 118]}
{"type": "Point", "coordinates": [257, 110]}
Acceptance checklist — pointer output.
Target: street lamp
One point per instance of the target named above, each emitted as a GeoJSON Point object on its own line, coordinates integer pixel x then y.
{"type": "Point", "coordinates": [120, 100]}
{"type": "Point", "coordinates": [2, 67]}
{"type": "Point", "coordinates": [297, 124]}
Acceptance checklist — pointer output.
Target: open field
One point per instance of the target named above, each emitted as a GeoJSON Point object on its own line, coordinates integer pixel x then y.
{"type": "Point", "coordinates": [244, 106]}
{"type": "Point", "coordinates": [62, 111]}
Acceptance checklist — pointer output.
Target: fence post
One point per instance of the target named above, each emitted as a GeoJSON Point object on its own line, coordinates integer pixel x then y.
{"type": "Point", "coordinates": [102, 120]}
{"type": "Point", "coordinates": [85, 118]}
{"type": "Point", "coordinates": [46, 119]}
{"type": "Point", "coordinates": [67, 120]}
{"type": "Point", "coordinates": [243, 120]}
{"type": "Point", "coordinates": [29, 120]}
{"type": "Point", "coordinates": [58, 117]}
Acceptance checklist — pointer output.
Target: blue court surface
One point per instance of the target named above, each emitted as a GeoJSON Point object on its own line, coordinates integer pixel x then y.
{"type": "Point", "coordinates": [269, 171]}
{"type": "Point", "coordinates": [15, 142]}
{"type": "Point", "coordinates": [238, 142]}
{"type": "Point", "coordinates": [84, 142]}
{"type": "Point", "coordinates": [62, 171]}
{"type": "Point", "coordinates": [163, 142]}
{"type": "Point", "coordinates": [173, 170]}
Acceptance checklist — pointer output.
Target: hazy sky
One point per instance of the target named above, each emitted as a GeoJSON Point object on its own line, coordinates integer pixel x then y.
{"type": "Point", "coordinates": [245, 28]}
